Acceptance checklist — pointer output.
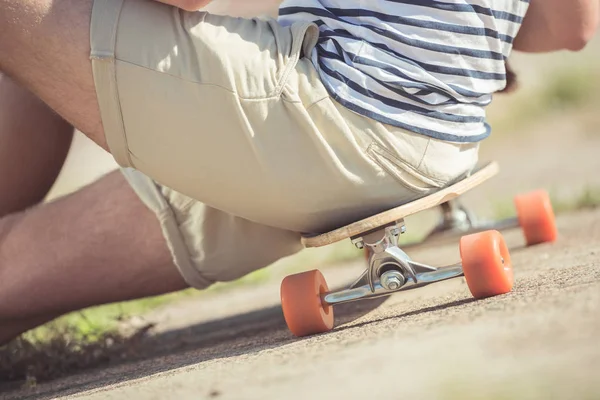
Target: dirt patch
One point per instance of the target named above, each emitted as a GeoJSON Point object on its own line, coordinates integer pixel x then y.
{"type": "Point", "coordinates": [24, 363]}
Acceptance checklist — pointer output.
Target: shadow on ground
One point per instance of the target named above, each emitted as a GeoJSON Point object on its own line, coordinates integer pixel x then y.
{"type": "Point", "coordinates": [234, 336]}
{"type": "Point", "coordinates": [242, 334]}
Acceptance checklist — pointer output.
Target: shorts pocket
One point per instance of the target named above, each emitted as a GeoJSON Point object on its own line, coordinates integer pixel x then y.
{"type": "Point", "coordinates": [404, 173]}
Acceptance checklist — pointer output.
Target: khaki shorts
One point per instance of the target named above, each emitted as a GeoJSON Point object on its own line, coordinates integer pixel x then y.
{"type": "Point", "coordinates": [243, 143]}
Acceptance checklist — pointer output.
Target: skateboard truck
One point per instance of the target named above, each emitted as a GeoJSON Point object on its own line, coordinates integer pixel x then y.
{"type": "Point", "coordinates": [455, 216]}
{"type": "Point", "coordinates": [456, 220]}
{"type": "Point", "coordinates": [307, 302]}
{"type": "Point", "coordinates": [389, 268]}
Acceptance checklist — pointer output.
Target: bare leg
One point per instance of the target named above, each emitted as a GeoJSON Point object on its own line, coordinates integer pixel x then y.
{"type": "Point", "coordinates": [52, 39]}
{"type": "Point", "coordinates": [45, 45]}
{"type": "Point", "coordinates": [97, 246]}
{"type": "Point", "coordinates": [35, 142]}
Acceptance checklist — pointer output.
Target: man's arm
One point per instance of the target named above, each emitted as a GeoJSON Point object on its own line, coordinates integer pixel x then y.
{"type": "Point", "coordinates": [552, 25]}
{"type": "Point", "coordinates": [188, 5]}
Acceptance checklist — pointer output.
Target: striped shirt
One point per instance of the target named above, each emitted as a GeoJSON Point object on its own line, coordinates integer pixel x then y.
{"type": "Point", "coordinates": [427, 66]}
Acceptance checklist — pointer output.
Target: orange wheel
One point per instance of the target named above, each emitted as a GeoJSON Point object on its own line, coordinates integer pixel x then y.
{"type": "Point", "coordinates": [303, 309]}
{"type": "Point", "coordinates": [486, 264]}
{"type": "Point", "coordinates": [536, 217]}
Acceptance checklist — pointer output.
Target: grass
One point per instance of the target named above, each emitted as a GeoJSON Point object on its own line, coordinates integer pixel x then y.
{"type": "Point", "coordinates": [588, 198]}
{"type": "Point", "coordinates": [563, 90]}
{"type": "Point", "coordinates": [92, 324]}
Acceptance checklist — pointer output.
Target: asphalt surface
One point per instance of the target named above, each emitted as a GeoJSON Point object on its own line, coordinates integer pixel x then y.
{"type": "Point", "coordinates": [540, 341]}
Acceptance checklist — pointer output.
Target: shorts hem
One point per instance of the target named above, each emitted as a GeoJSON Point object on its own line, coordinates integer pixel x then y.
{"type": "Point", "coordinates": [152, 197]}
{"type": "Point", "coordinates": [103, 36]}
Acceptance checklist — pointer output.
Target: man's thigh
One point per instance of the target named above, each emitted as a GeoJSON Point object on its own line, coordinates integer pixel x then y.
{"type": "Point", "coordinates": [45, 45]}
{"type": "Point", "coordinates": [34, 141]}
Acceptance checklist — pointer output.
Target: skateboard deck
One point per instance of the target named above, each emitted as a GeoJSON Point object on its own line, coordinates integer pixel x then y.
{"type": "Point", "coordinates": [478, 177]}
{"type": "Point", "coordinates": [485, 263]}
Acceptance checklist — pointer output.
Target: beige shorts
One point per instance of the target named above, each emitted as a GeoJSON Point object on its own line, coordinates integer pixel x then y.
{"type": "Point", "coordinates": [243, 143]}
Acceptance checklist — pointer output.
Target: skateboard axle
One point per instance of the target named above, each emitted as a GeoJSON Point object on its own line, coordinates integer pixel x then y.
{"type": "Point", "coordinates": [361, 289]}
{"type": "Point", "coordinates": [392, 280]}
{"type": "Point", "coordinates": [390, 269]}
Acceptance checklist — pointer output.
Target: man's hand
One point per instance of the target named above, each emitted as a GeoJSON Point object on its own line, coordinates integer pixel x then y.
{"type": "Point", "coordinates": [188, 5]}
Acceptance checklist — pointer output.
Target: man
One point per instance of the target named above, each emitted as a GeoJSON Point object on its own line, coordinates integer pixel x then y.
{"type": "Point", "coordinates": [280, 128]}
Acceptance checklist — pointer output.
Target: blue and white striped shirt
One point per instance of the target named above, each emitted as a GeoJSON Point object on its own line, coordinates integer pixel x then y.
{"type": "Point", "coordinates": [423, 65]}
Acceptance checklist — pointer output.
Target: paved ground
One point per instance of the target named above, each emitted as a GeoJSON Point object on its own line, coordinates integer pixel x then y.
{"type": "Point", "coordinates": [540, 341]}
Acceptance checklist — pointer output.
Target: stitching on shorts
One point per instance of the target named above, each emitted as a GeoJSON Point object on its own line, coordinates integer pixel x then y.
{"type": "Point", "coordinates": [159, 187]}
{"type": "Point", "coordinates": [189, 203]}
{"type": "Point", "coordinates": [106, 63]}
{"type": "Point", "coordinates": [183, 208]}
{"type": "Point", "coordinates": [123, 132]}
{"type": "Point", "coordinates": [307, 108]}
{"type": "Point", "coordinates": [268, 97]}
{"type": "Point", "coordinates": [176, 239]}
{"type": "Point", "coordinates": [378, 150]}
{"type": "Point", "coordinates": [382, 162]}
{"type": "Point", "coordinates": [317, 102]}
{"type": "Point", "coordinates": [424, 154]}
{"type": "Point", "coordinates": [298, 42]}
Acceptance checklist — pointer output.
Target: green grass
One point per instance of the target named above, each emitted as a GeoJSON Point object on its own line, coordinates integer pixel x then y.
{"type": "Point", "coordinates": [93, 323]}
{"type": "Point", "coordinates": [569, 88]}
{"type": "Point", "coordinates": [503, 209]}
{"type": "Point", "coordinates": [589, 197]}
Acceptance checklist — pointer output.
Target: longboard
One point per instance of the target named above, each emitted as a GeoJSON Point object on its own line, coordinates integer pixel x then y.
{"type": "Point", "coordinates": [307, 302]}
{"type": "Point", "coordinates": [478, 177]}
